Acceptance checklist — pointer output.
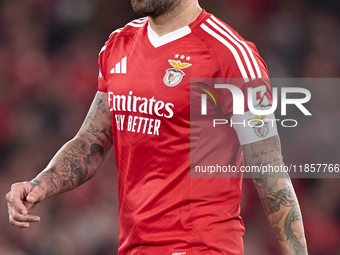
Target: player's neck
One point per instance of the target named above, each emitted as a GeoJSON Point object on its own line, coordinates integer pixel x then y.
{"type": "Point", "coordinates": [175, 19]}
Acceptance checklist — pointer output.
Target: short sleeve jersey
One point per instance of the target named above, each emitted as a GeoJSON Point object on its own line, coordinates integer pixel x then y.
{"type": "Point", "coordinates": [162, 210]}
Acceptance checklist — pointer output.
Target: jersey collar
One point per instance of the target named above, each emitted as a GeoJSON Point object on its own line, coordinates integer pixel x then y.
{"type": "Point", "coordinates": [158, 41]}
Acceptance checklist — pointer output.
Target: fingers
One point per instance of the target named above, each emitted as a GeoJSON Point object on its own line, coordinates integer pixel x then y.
{"type": "Point", "coordinates": [33, 196]}
{"type": "Point", "coordinates": [18, 206]}
{"type": "Point", "coordinates": [21, 220]}
{"type": "Point", "coordinates": [14, 200]}
{"type": "Point", "coordinates": [30, 206]}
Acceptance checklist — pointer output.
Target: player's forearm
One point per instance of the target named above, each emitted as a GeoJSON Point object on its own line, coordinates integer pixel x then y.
{"type": "Point", "coordinates": [277, 196]}
{"type": "Point", "coordinates": [282, 208]}
{"type": "Point", "coordinates": [79, 159]}
{"type": "Point", "coordinates": [75, 163]}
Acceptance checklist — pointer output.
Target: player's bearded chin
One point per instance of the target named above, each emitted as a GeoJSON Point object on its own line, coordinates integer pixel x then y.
{"type": "Point", "coordinates": [152, 8]}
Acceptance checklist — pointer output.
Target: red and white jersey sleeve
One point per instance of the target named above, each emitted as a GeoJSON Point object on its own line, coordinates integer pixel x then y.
{"type": "Point", "coordinates": [104, 55]}
{"type": "Point", "coordinates": [238, 61]}
{"type": "Point", "coordinates": [238, 58]}
{"type": "Point", "coordinates": [241, 66]}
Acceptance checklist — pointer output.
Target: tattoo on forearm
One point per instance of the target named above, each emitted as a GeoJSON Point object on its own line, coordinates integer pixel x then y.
{"type": "Point", "coordinates": [294, 215]}
{"type": "Point", "coordinates": [74, 166]}
{"type": "Point", "coordinates": [53, 178]}
{"type": "Point", "coordinates": [276, 205]}
{"type": "Point", "coordinates": [78, 160]}
{"type": "Point", "coordinates": [277, 195]}
{"type": "Point", "coordinates": [36, 183]}
{"type": "Point", "coordinates": [274, 200]}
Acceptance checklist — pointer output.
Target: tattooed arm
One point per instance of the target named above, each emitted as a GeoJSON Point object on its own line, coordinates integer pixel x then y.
{"type": "Point", "coordinates": [277, 195]}
{"type": "Point", "coordinates": [79, 159]}
{"type": "Point", "coordinates": [75, 163]}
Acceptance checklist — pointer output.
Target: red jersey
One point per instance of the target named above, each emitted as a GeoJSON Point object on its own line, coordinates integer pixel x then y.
{"type": "Point", "coordinates": [161, 209]}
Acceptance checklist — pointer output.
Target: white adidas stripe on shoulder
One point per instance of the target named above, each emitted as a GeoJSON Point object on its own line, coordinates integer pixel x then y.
{"type": "Point", "coordinates": [137, 22]}
{"type": "Point", "coordinates": [258, 71]}
{"type": "Point", "coordinates": [116, 31]}
{"type": "Point", "coordinates": [141, 20]}
{"type": "Point", "coordinates": [223, 34]}
{"type": "Point", "coordinates": [134, 24]}
{"type": "Point", "coordinates": [102, 49]}
{"type": "Point", "coordinates": [244, 54]}
{"type": "Point", "coordinates": [231, 48]}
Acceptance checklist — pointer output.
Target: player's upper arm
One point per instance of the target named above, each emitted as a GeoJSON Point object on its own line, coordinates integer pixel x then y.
{"type": "Point", "coordinates": [98, 123]}
{"type": "Point", "coordinates": [242, 68]}
{"type": "Point", "coordinates": [264, 152]}
{"type": "Point", "coordinates": [104, 55]}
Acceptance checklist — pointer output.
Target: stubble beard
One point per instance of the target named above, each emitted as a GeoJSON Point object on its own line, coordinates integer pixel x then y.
{"type": "Point", "coordinates": [153, 8]}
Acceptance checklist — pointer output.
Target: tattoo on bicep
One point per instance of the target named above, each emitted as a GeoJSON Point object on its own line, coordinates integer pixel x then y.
{"type": "Point", "coordinates": [98, 104]}
{"type": "Point", "coordinates": [267, 150]}
{"type": "Point", "coordinates": [96, 132]}
{"type": "Point", "coordinates": [102, 107]}
{"type": "Point", "coordinates": [107, 134]}
{"type": "Point", "coordinates": [99, 101]}
{"type": "Point", "coordinates": [88, 118]}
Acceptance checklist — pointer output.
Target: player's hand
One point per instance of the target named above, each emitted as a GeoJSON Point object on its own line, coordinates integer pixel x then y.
{"type": "Point", "coordinates": [21, 200]}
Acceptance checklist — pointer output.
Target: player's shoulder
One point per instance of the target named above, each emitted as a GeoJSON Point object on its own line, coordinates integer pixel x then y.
{"type": "Point", "coordinates": [129, 29]}
{"type": "Point", "coordinates": [218, 34]}
{"type": "Point", "coordinates": [229, 48]}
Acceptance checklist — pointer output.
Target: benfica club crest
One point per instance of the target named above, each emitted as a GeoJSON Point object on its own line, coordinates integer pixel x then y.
{"type": "Point", "coordinates": [175, 75]}
{"type": "Point", "coordinates": [261, 128]}
{"type": "Point", "coordinates": [262, 131]}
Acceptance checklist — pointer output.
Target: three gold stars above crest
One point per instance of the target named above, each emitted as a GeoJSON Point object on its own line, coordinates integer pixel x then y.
{"type": "Point", "coordinates": [183, 57]}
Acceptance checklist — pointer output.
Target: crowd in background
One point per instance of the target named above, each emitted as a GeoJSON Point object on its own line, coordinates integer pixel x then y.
{"type": "Point", "coordinates": [48, 77]}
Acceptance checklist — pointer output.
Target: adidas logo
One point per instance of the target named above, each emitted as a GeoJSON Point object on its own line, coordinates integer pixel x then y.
{"type": "Point", "coordinates": [120, 67]}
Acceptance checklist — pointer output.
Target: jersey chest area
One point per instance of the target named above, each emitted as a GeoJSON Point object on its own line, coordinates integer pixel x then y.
{"type": "Point", "coordinates": [163, 77]}
{"type": "Point", "coordinates": [154, 81]}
